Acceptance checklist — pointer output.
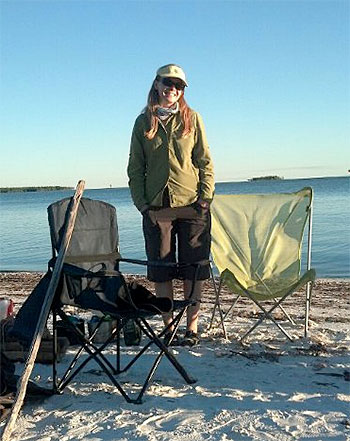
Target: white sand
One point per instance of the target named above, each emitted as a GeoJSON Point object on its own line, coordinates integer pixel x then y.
{"type": "Point", "coordinates": [268, 389]}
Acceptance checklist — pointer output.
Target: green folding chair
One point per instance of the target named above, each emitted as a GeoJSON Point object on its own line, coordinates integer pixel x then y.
{"type": "Point", "coordinates": [256, 247]}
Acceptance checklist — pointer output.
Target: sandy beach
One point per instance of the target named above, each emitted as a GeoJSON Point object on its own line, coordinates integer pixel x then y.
{"type": "Point", "coordinates": [265, 389]}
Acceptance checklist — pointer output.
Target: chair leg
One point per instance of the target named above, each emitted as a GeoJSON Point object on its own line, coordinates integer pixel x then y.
{"type": "Point", "coordinates": [119, 324]}
{"type": "Point", "coordinates": [98, 357]}
{"type": "Point", "coordinates": [55, 349]}
{"type": "Point", "coordinates": [231, 307]}
{"type": "Point", "coordinates": [154, 339]}
{"type": "Point", "coordinates": [267, 315]}
{"type": "Point", "coordinates": [217, 304]}
{"type": "Point", "coordinates": [288, 317]}
{"type": "Point", "coordinates": [164, 351]}
{"type": "Point", "coordinates": [309, 287]}
{"type": "Point", "coordinates": [174, 323]}
{"type": "Point", "coordinates": [95, 353]}
{"type": "Point", "coordinates": [87, 343]}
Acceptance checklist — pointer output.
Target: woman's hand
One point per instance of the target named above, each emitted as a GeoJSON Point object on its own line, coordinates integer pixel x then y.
{"type": "Point", "coordinates": [202, 203]}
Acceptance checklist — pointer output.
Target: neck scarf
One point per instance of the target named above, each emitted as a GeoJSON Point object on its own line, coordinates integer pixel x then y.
{"type": "Point", "coordinates": [163, 113]}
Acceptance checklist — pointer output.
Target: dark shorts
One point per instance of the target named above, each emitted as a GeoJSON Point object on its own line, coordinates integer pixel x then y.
{"type": "Point", "coordinates": [177, 235]}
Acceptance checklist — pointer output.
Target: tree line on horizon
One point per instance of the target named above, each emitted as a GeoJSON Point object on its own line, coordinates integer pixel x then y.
{"type": "Point", "coordinates": [33, 189]}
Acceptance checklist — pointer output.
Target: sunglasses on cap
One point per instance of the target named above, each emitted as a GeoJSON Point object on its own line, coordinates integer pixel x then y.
{"type": "Point", "coordinates": [168, 82]}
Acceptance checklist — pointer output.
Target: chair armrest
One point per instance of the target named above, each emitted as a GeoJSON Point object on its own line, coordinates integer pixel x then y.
{"type": "Point", "coordinates": [163, 264]}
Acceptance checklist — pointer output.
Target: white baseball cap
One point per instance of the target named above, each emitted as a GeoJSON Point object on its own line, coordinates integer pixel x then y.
{"type": "Point", "coordinates": [172, 71]}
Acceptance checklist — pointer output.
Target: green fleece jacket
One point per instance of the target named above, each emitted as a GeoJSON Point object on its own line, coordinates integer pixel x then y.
{"type": "Point", "coordinates": [183, 164]}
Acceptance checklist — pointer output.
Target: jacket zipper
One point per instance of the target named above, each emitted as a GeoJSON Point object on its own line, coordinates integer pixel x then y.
{"type": "Point", "coordinates": [167, 138]}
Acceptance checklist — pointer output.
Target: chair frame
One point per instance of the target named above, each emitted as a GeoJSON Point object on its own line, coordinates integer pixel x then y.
{"type": "Point", "coordinates": [267, 313]}
{"type": "Point", "coordinates": [140, 316]}
{"type": "Point", "coordinates": [106, 254]}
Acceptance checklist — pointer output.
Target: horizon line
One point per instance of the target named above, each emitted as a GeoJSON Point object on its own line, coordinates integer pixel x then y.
{"type": "Point", "coordinates": [70, 187]}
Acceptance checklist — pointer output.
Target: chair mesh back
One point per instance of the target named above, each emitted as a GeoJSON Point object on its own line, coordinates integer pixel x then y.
{"type": "Point", "coordinates": [95, 231]}
{"type": "Point", "coordinates": [93, 247]}
{"type": "Point", "coordinates": [258, 237]}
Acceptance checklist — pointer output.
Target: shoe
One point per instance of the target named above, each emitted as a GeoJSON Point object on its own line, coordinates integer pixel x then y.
{"type": "Point", "coordinates": [176, 341]}
{"type": "Point", "coordinates": [191, 339]}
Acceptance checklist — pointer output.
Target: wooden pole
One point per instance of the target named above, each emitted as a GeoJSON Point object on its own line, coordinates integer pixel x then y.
{"type": "Point", "coordinates": [33, 351]}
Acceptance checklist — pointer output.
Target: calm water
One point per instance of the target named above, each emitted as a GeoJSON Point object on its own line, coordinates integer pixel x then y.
{"type": "Point", "coordinates": [24, 232]}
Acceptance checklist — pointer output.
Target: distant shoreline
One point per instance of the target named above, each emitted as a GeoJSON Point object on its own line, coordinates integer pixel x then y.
{"type": "Point", "coordinates": [234, 181]}
{"type": "Point", "coordinates": [249, 180]}
{"type": "Point", "coordinates": [33, 189]}
{"type": "Point", "coordinates": [266, 178]}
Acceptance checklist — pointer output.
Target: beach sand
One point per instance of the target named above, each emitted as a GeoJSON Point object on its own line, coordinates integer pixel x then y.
{"type": "Point", "coordinates": [265, 389]}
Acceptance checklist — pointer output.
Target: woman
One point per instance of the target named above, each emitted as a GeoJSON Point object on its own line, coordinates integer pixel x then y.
{"type": "Point", "coordinates": [171, 181]}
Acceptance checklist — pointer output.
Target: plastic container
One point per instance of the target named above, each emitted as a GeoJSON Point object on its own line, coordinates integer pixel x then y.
{"type": "Point", "coordinates": [6, 308]}
{"type": "Point", "coordinates": [132, 333]}
{"type": "Point", "coordinates": [104, 331]}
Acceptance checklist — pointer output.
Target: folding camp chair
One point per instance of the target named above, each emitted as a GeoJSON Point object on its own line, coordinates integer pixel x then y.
{"type": "Point", "coordinates": [256, 247]}
{"type": "Point", "coordinates": [91, 280]}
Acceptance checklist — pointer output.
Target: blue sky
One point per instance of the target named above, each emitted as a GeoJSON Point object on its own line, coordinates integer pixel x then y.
{"type": "Point", "coordinates": [270, 78]}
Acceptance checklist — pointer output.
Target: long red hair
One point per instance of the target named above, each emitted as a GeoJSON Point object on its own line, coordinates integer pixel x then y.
{"type": "Point", "coordinates": [151, 112]}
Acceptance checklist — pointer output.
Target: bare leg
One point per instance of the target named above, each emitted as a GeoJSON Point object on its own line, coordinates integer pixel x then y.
{"type": "Point", "coordinates": [193, 311]}
{"type": "Point", "coordinates": [165, 289]}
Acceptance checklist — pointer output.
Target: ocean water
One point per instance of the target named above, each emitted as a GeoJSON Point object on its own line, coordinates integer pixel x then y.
{"type": "Point", "coordinates": [25, 241]}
